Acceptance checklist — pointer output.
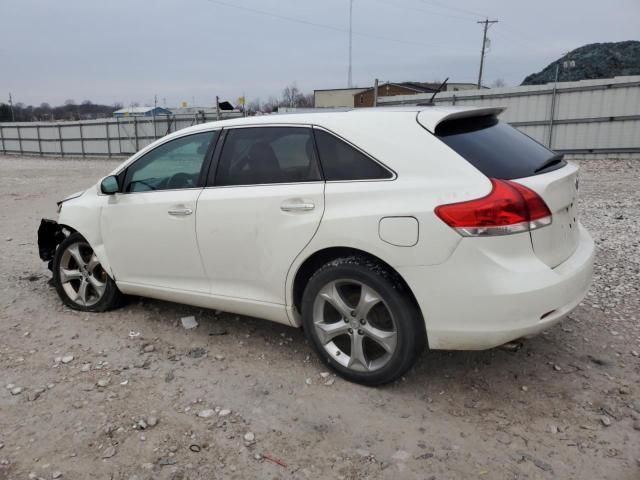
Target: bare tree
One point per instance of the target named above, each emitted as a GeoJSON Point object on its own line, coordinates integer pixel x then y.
{"type": "Point", "coordinates": [270, 105]}
{"type": "Point", "coordinates": [304, 100]}
{"type": "Point", "coordinates": [293, 97]}
{"type": "Point", "coordinates": [290, 96]}
{"type": "Point", "coordinates": [254, 106]}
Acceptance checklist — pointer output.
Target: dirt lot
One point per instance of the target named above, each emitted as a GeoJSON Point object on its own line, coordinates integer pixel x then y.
{"type": "Point", "coordinates": [566, 405]}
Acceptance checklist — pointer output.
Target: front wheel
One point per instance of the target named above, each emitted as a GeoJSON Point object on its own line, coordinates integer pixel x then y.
{"type": "Point", "coordinates": [362, 321]}
{"type": "Point", "coordinates": [80, 280]}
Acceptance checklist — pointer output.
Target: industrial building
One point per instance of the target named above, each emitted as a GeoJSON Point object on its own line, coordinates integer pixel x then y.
{"type": "Point", "coordinates": [363, 97]}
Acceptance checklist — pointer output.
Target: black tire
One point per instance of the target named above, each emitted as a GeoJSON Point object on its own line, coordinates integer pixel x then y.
{"type": "Point", "coordinates": [408, 323]}
{"type": "Point", "coordinates": [107, 298]}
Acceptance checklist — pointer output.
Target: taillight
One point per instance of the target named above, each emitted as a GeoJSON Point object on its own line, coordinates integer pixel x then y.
{"type": "Point", "coordinates": [509, 208]}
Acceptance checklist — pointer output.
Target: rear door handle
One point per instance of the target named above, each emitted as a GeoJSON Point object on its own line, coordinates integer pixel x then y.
{"type": "Point", "coordinates": [180, 212]}
{"type": "Point", "coordinates": [297, 206]}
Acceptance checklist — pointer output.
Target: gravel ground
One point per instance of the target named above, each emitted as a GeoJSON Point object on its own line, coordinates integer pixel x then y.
{"type": "Point", "coordinates": [80, 397]}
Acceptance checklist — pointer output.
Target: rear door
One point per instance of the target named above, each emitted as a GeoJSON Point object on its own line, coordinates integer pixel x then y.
{"type": "Point", "coordinates": [559, 190]}
{"type": "Point", "coordinates": [262, 205]}
{"type": "Point", "coordinates": [500, 151]}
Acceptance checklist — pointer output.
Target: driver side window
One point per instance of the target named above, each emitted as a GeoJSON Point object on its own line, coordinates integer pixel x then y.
{"type": "Point", "coordinates": [173, 165]}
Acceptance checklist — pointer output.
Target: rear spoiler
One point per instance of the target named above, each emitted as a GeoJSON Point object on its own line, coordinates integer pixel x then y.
{"type": "Point", "coordinates": [430, 119]}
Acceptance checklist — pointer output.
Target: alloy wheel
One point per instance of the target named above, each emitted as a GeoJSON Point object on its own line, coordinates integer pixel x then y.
{"type": "Point", "coordinates": [354, 325]}
{"type": "Point", "coordinates": [81, 275]}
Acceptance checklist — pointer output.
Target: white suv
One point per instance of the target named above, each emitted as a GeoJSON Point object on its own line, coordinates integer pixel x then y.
{"type": "Point", "coordinates": [378, 231]}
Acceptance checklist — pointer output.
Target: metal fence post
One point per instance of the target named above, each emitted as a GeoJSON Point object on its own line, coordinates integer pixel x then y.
{"type": "Point", "coordinates": [4, 150]}
{"type": "Point", "coordinates": [119, 136]}
{"type": "Point", "coordinates": [39, 140]}
{"type": "Point", "coordinates": [19, 139]}
{"type": "Point", "coordinates": [106, 124]}
{"type": "Point", "coordinates": [135, 131]}
{"type": "Point", "coordinates": [61, 142]}
{"type": "Point", "coordinates": [81, 140]}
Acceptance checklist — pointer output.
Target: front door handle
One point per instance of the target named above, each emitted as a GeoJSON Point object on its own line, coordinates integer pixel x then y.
{"type": "Point", "coordinates": [297, 206]}
{"type": "Point", "coordinates": [180, 212]}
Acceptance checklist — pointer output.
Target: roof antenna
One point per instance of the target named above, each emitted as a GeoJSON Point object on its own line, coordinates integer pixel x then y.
{"type": "Point", "coordinates": [431, 102]}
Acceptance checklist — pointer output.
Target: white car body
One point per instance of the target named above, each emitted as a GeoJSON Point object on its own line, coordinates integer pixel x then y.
{"type": "Point", "coordinates": [239, 251]}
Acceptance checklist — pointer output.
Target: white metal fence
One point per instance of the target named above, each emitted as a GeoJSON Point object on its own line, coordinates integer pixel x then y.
{"type": "Point", "coordinates": [581, 119]}
{"type": "Point", "coordinates": [104, 137]}
{"type": "Point", "coordinates": [589, 118]}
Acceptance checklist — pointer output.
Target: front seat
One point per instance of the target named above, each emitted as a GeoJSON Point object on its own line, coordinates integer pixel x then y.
{"type": "Point", "coordinates": [262, 165]}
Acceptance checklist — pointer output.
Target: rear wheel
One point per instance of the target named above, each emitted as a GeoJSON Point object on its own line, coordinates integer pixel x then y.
{"type": "Point", "coordinates": [361, 321]}
{"type": "Point", "coordinates": [79, 278]}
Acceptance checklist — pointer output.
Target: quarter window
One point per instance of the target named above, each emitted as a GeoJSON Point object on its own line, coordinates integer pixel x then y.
{"type": "Point", "coordinates": [340, 161]}
{"type": "Point", "coordinates": [261, 155]}
{"type": "Point", "coordinates": [172, 165]}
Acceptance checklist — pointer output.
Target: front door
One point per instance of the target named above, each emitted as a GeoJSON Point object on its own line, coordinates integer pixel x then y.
{"type": "Point", "coordinates": [259, 212]}
{"type": "Point", "coordinates": [149, 228]}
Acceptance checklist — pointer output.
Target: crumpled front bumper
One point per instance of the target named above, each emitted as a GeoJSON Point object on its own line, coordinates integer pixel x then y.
{"type": "Point", "coordinates": [50, 235]}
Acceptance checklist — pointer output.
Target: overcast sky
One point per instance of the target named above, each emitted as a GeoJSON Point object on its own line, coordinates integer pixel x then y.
{"type": "Point", "coordinates": [128, 50]}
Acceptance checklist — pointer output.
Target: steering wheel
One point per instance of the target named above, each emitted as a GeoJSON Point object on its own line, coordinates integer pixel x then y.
{"type": "Point", "coordinates": [180, 180]}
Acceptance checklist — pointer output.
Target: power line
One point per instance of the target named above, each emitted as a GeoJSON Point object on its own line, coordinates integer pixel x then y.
{"type": "Point", "coordinates": [486, 23]}
{"type": "Point", "coordinates": [449, 7]}
{"type": "Point", "coordinates": [319, 25]}
{"type": "Point", "coordinates": [415, 9]}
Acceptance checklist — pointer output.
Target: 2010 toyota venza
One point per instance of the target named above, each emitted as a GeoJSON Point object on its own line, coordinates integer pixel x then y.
{"type": "Point", "coordinates": [379, 231]}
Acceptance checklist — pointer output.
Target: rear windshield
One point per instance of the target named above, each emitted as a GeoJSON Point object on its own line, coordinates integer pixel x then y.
{"type": "Point", "coordinates": [497, 149]}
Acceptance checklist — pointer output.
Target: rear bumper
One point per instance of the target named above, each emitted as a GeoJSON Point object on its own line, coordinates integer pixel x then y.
{"type": "Point", "coordinates": [487, 294]}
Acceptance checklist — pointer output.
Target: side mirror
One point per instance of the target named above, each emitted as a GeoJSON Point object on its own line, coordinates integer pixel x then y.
{"type": "Point", "coordinates": [109, 185]}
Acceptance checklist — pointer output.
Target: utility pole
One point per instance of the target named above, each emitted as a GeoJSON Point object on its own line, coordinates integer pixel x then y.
{"type": "Point", "coordinates": [486, 23]}
{"type": "Point", "coordinates": [553, 104]}
{"type": "Point", "coordinates": [349, 75]}
{"type": "Point", "coordinates": [13, 119]}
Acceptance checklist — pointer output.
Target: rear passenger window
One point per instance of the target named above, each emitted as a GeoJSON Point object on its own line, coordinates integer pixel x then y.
{"type": "Point", "coordinates": [340, 161]}
{"type": "Point", "coordinates": [259, 155]}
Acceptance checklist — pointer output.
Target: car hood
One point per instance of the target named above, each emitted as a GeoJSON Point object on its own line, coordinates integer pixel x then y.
{"type": "Point", "coordinates": [70, 197]}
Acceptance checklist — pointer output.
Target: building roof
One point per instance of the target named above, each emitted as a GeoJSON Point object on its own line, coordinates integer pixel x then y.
{"type": "Point", "coordinates": [418, 87]}
{"type": "Point", "coordinates": [353, 89]}
{"type": "Point", "coordinates": [134, 110]}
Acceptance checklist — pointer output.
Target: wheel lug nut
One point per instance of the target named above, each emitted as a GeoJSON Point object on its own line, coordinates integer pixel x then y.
{"type": "Point", "coordinates": [346, 320]}
{"type": "Point", "coordinates": [362, 321]}
{"type": "Point", "coordinates": [350, 330]}
{"type": "Point", "coordinates": [353, 313]}
{"type": "Point", "coordinates": [360, 332]}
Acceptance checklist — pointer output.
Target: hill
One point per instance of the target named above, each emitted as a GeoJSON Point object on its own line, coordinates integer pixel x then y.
{"type": "Point", "coordinates": [596, 60]}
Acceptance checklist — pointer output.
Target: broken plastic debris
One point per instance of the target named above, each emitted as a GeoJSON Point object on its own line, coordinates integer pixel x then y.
{"type": "Point", "coordinates": [189, 322]}
{"type": "Point", "coordinates": [133, 334]}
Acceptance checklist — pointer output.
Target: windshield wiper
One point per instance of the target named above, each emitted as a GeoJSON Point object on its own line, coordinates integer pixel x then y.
{"type": "Point", "coordinates": [557, 158]}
